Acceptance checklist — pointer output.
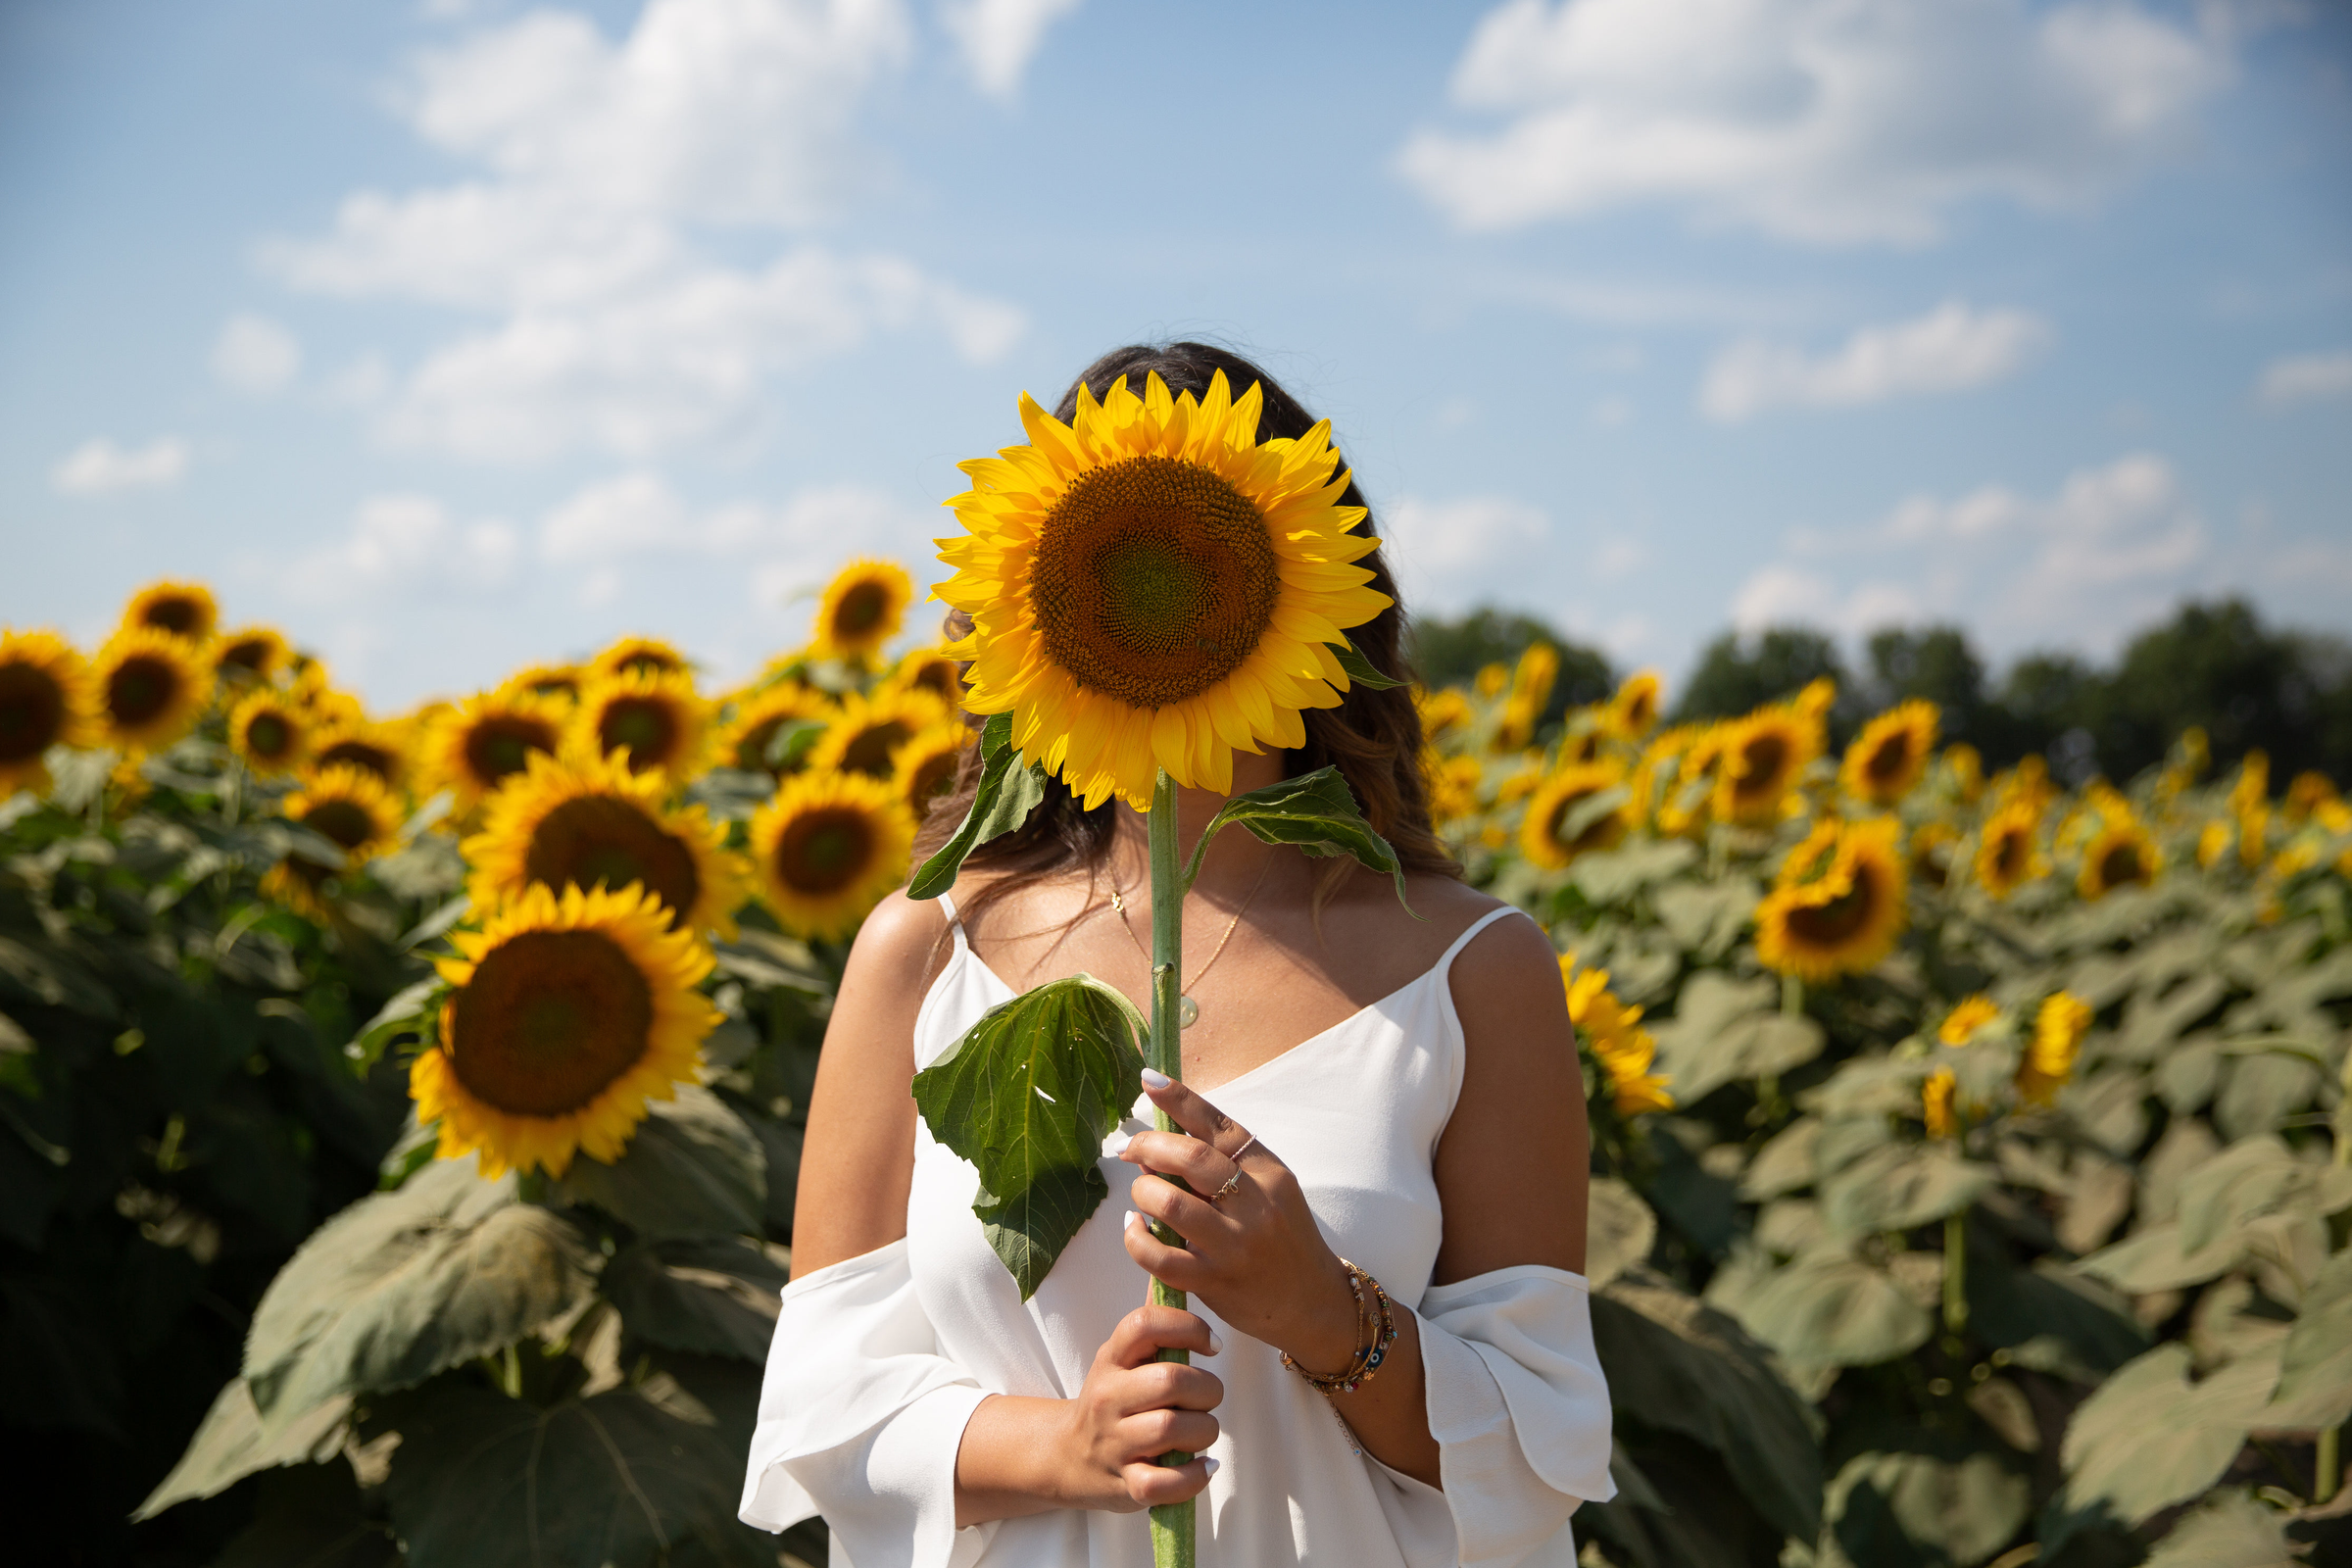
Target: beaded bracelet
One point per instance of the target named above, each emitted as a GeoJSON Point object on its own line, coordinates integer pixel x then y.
{"type": "Point", "coordinates": [1375, 1313]}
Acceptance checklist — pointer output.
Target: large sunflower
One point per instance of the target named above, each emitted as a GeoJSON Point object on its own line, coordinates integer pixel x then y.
{"type": "Point", "coordinates": [350, 809]}
{"type": "Point", "coordinates": [1892, 753]}
{"type": "Point", "coordinates": [152, 686]}
{"type": "Point", "coordinates": [378, 749]}
{"type": "Point", "coordinates": [186, 610]}
{"type": "Point", "coordinates": [749, 738]}
{"type": "Point", "coordinates": [47, 698]}
{"type": "Point", "coordinates": [1635, 708]}
{"type": "Point", "coordinates": [863, 607]}
{"type": "Point", "coordinates": [1837, 905]}
{"type": "Point", "coordinates": [2008, 854]}
{"type": "Point", "coordinates": [1550, 836]}
{"type": "Point", "coordinates": [925, 767]}
{"type": "Point", "coordinates": [569, 1014]}
{"type": "Point", "coordinates": [1760, 760]}
{"type": "Point", "coordinates": [1153, 587]}
{"type": "Point", "coordinates": [829, 845]}
{"type": "Point", "coordinates": [657, 721]}
{"type": "Point", "coordinates": [870, 730]}
{"type": "Point", "coordinates": [270, 732]}
{"type": "Point", "coordinates": [2120, 851]}
{"type": "Point", "coordinates": [251, 653]}
{"type": "Point", "coordinates": [639, 655]}
{"type": "Point", "coordinates": [474, 749]}
{"type": "Point", "coordinates": [590, 822]}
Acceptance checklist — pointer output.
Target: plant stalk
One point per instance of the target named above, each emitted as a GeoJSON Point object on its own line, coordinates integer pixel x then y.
{"type": "Point", "coordinates": [1955, 1274]}
{"type": "Point", "coordinates": [2328, 1467]}
{"type": "Point", "coordinates": [1171, 1523]}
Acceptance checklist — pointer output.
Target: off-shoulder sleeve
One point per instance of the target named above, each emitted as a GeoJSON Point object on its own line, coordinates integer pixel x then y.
{"type": "Point", "coordinates": [860, 1418]}
{"type": "Point", "coordinates": [1520, 1410]}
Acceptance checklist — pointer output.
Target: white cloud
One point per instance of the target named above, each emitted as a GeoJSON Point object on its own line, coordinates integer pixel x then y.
{"type": "Point", "coordinates": [402, 542]}
{"type": "Point", "coordinates": [1951, 349]}
{"type": "Point", "coordinates": [1450, 538]}
{"type": "Point", "coordinates": [99, 467]}
{"type": "Point", "coordinates": [998, 38]}
{"type": "Point", "coordinates": [1827, 122]}
{"type": "Point", "coordinates": [2307, 378]}
{"type": "Point", "coordinates": [606, 169]}
{"type": "Point", "coordinates": [256, 354]}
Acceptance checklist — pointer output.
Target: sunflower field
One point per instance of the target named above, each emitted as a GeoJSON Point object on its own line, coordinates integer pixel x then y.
{"type": "Point", "coordinates": [402, 1112]}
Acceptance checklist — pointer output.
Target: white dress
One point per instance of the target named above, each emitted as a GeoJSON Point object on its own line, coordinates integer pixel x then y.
{"type": "Point", "coordinates": [878, 1361]}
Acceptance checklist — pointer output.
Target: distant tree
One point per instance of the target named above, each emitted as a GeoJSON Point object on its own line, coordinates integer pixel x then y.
{"type": "Point", "coordinates": [1936, 663]}
{"type": "Point", "coordinates": [2219, 666]}
{"type": "Point", "coordinates": [1736, 675]}
{"type": "Point", "coordinates": [2044, 697]}
{"type": "Point", "coordinates": [1451, 653]}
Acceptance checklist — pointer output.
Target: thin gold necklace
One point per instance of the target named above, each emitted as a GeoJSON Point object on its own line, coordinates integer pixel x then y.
{"type": "Point", "coordinates": [1187, 1011]}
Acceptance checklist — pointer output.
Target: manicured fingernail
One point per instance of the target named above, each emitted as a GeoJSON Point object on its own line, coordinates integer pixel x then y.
{"type": "Point", "coordinates": [1155, 1079]}
{"type": "Point", "coordinates": [1132, 1217]}
{"type": "Point", "coordinates": [1209, 1464]}
{"type": "Point", "coordinates": [1216, 1341]}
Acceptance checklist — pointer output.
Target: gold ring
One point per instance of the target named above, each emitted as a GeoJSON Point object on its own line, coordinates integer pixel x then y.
{"type": "Point", "coordinates": [1234, 1181]}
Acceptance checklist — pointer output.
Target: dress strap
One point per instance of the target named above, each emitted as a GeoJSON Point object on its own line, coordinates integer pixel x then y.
{"type": "Point", "coordinates": [946, 907]}
{"type": "Point", "coordinates": [1485, 921]}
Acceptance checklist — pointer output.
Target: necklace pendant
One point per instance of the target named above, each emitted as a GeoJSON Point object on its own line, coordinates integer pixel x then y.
{"type": "Point", "coordinates": [1187, 1012]}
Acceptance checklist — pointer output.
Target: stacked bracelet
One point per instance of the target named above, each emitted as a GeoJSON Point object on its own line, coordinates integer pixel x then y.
{"type": "Point", "coordinates": [1373, 1311]}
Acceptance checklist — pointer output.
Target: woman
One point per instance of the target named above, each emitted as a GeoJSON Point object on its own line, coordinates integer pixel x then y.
{"type": "Point", "coordinates": [1371, 1094]}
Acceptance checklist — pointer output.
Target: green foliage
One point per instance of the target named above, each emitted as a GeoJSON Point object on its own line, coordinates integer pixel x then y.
{"type": "Point", "coordinates": [1736, 675]}
{"type": "Point", "coordinates": [1314, 814]}
{"type": "Point", "coordinates": [1011, 787]}
{"type": "Point", "coordinates": [1451, 653]}
{"type": "Point", "coordinates": [1027, 1096]}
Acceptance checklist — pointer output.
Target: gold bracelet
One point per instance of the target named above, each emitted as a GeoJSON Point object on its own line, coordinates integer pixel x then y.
{"type": "Point", "coordinates": [1375, 1313]}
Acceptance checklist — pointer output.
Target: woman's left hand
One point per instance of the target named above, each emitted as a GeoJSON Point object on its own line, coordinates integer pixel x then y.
{"type": "Point", "coordinates": [1252, 1255]}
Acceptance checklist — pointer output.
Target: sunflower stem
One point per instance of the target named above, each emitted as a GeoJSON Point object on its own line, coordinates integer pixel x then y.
{"type": "Point", "coordinates": [1955, 1274]}
{"type": "Point", "coordinates": [1171, 1523]}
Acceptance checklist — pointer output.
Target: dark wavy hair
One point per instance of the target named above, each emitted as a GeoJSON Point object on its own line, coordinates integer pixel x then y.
{"type": "Point", "coordinates": [1373, 736]}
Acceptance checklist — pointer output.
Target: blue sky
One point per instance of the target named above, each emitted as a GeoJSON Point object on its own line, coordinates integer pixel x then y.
{"type": "Point", "coordinates": [454, 335]}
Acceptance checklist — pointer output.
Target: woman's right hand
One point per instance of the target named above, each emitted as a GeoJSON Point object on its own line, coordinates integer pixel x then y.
{"type": "Point", "coordinates": [1134, 1408]}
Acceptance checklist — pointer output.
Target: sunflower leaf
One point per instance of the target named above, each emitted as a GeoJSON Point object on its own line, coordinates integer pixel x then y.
{"type": "Point", "coordinates": [1010, 789]}
{"type": "Point", "coordinates": [1359, 668]}
{"type": "Point", "coordinates": [1316, 814]}
{"type": "Point", "coordinates": [1027, 1096]}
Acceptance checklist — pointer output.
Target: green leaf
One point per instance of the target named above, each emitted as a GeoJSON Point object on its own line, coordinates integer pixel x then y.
{"type": "Point", "coordinates": [410, 1015]}
{"type": "Point", "coordinates": [710, 1296]}
{"type": "Point", "coordinates": [1928, 1509]}
{"type": "Point", "coordinates": [1011, 787]}
{"type": "Point", "coordinates": [1609, 876]}
{"type": "Point", "coordinates": [1027, 1096]}
{"type": "Point", "coordinates": [2153, 1258]}
{"type": "Point", "coordinates": [402, 1285]}
{"type": "Point", "coordinates": [1676, 1366]}
{"type": "Point", "coordinates": [2148, 1438]}
{"type": "Point", "coordinates": [1705, 918]}
{"type": "Point", "coordinates": [2093, 1331]}
{"type": "Point", "coordinates": [1723, 1030]}
{"type": "Point", "coordinates": [1899, 1187]}
{"type": "Point", "coordinates": [1315, 814]}
{"type": "Point", "coordinates": [692, 1169]}
{"type": "Point", "coordinates": [2315, 1371]}
{"type": "Point", "coordinates": [311, 1518]}
{"type": "Point", "coordinates": [231, 1446]}
{"type": "Point", "coordinates": [1359, 668]}
{"type": "Point", "coordinates": [637, 1474]}
{"type": "Point", "coordinates": [2230, 1531]}
{"type": "Point", "coordinates": [1619, 1230]}
{"type": "Point", "coordinates": [1830, 1309]}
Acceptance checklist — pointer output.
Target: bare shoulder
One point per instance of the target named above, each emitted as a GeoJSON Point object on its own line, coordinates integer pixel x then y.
{"type": "Point", "coordinates": [901, 944]}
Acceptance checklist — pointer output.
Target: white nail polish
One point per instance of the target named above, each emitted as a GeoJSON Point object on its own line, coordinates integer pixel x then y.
{"type": "Point", "coordinates": [1209, 1464]}
{"type": "Point", "coordinates": [1156, 1079]}
{"type": "Point", "coordinates": [1216, 1343]}
{"type": "Point", "coordinates": [1132, 1217]}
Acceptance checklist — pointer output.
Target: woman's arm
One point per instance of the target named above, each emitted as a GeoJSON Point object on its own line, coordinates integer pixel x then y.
{"type": "Point", "coordinates": [1511, 1172]}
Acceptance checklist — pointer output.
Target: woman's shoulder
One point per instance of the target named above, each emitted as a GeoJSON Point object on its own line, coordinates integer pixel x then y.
{"type": "Point", "coordinates": [903, 942]}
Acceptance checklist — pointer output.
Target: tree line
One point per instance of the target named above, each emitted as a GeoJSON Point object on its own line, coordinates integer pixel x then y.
{"type": "Point", "coordinates": [2216, 664]}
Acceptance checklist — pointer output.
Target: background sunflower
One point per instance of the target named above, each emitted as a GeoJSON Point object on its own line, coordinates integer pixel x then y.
{"type": "Point", "coordinates": [2008, 849]}
{"type": "Point", "coordinates": [378, 749]}
{"type": "Point", "coordinates": [270, 732]}
{"type": "Point", "coordinates": [568, 1014]}
{"type": "Point", "coordinates": [557, 683]}
{"type": "Point", "coordinates": [1759, 760]}
{"type": "Point", "coordinates": [639, 655]}
{"type": "Point", "coordinates": [863, 607]}
{"type": "Point", "coordinates": [868, 731]}
{"type": "Point", "coordinates": [586, 822]}
{"type": "Point", "coordinates": [828, 846]}
{"type": "Point", "coordinates": [1151, 587]}
{"type": "Point", "coordinates": [252, 653]}
{"type": "Point", "coordinates": [2120, 854]}
{"type": "Point", "coordinates": [474, 748]}
{"type": "Point", "coordinates": [925, 767]}
{"type": "Point", "coordinates": [186, 610]}
{"type": "Point", "coordinates": [654, 721]}
{"type": "Point", "coordinates": [748, 739]}
{"type": "Point", "coordinates": [1844, 917]}
{"type": "Point", "coordinates": [1553, 834]}
{"type": "Point", "coordinates": [152, 687]}
{"type": "Point", "coordinates": [1891, 756]}
{"type": "Point", "coordinates": [48, 698]}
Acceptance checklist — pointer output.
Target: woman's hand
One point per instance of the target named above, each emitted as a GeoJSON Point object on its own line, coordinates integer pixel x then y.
{"type": "Point", "coordinates": [1252, 1255]}
{"type": "Point", "coordinates": [1134, 1408]}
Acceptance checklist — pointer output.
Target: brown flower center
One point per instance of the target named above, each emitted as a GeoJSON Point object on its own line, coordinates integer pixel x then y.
{"type": "Point", "coordinates": [548, 1020]}
{"type": "Point", "coordinates": [602, 840]}
{"type": "Point", "coordinates": [869, 750]}
{"type": "Point", "coordinates": [860, 610]}
{"type": "Point", "coordinates": [347, 823]}
{"type": "Point", "coordinates": [1837, 921]}
{"type": "Point", "coordinates": [1763, 757]}
{"type": "Point", "coordinates": [365, 755]}
{"type": "Point", "coordinates": [824, 850]}
{"type": "Point", "coordinates": [1153, 581]}
{"type": "Point", "coordinates": [32, 712]}
{"type": "Point", "coordinates": [2121, 864]}
{"type": "Point", "coordinates": [1888, 761]}
{"type": "Point", "coordinates": [268, 736]}
{"type": "Point", "coordinates": [933, 777]}
{"type": "Point", "coordinates": [1598, 833]}
{"type": "Point", "coordinates": [141, 688]}
{"type": "Point", "coordinates": [503, 744]}
{"type": "Point", "coordinates": [177, 614]}
{"type": "Point", "coordinates": [645, 728]}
